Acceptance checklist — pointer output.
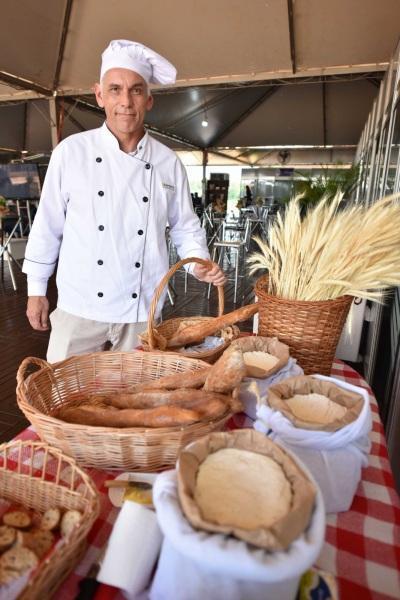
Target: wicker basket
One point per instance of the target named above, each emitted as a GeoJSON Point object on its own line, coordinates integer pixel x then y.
{"type": "Point", "coordinates": [41, 477]}
{"type": "Point", "coordinates": [168, 328]}
{"type": "Point", "coordinates": [133, 448]}
{"type": "Point", "coordinates": [310, 329]}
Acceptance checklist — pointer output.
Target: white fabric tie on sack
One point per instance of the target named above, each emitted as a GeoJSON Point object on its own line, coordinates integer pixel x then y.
{"type": "Point", "coordinates": [198, 564]}
{"type": "Point", "coordinates": [335, 458]}
{"type": "Point", "coordinates": [252, 389]}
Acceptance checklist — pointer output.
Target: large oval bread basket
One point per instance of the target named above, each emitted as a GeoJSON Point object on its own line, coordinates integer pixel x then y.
{"type": "Point", "coordinates": [134, 448]}
{"type": "Point", "coordinates": [40, 477]}
{"type": "Point", "coordinates": [170, 326]}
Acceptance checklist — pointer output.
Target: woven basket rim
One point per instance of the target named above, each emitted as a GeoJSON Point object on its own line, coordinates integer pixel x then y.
{"type": "Point", "coordinates": [27, 407]}
{"type": "Point", "coordinates": [197, 355]}
{"type": "Point", "coordinates": [60, 557]}
{"type": "Point", "coordinates": [262, 294]}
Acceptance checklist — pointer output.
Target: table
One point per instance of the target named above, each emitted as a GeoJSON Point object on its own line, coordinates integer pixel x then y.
{"type": "Point", "coordinates": [362, 545]}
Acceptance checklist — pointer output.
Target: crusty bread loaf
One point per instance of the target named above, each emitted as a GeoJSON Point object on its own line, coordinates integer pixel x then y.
{"type": "Point", "coordinates": [178, 407]}
{"type": "Point", "coordinates": [153, 398]}
{"type": "Point", "coordinates": [129, 417]}
{"type": "Point", "coordinates": [197, 333]}
{"type": "Point", "coordinates": [227, 373]}
{"type": "Point", "coordinates": [186, 379]}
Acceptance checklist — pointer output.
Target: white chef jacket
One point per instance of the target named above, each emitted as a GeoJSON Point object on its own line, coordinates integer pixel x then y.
{"type": "Point", "coordinates": [103, 214]}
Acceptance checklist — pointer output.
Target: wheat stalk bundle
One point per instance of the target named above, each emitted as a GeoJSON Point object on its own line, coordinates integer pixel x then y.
{"type": "Point", "coordinates": [332, 252]}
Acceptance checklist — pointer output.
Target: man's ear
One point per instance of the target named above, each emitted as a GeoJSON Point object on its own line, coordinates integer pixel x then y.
{"type": "Point", "coordinates": [99, 95]}
{"type": "Point", "coordinates": [150, 102]}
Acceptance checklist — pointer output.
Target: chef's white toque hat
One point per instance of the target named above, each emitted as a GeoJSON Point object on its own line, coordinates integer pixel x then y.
{"type": "Point", "coordinates": [123, 54]}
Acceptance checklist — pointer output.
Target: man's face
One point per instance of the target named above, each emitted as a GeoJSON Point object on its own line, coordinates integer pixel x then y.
{"type": "Point", "coordinates": [124, 96]}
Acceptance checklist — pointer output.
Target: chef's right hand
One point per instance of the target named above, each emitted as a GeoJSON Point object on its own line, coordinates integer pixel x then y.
{"type": "Point", "coordinates": [38, 312]}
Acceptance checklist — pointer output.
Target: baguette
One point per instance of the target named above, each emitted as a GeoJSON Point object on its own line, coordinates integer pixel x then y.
{"type": "Point", "coordinates": [205, 406]}
{"type": "Point", "coordinates": [197, 333]}
{"type": "Point", "coordinates": [129, 417]}
{"type": "Point", "coordinates": [185, 398]}
{"type": "Point", "coordinates": [186, 379]}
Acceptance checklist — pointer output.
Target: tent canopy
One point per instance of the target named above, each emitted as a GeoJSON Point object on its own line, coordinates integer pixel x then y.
{"type": "Point", "coordinates": [266, 72]}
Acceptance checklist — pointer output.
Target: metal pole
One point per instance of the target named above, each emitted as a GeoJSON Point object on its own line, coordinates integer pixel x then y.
{"type": "Point", "coordinates": [204, 180]}
{"type": "Point", "coordinates": [53, 121]}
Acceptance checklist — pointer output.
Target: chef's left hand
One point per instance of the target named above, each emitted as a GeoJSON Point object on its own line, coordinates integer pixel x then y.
{"type": "Point", "coordinates": [213, 275]}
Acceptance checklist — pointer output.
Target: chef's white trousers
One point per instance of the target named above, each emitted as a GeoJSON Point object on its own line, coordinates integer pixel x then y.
{"type": "Point", "coordinates": [71, 335]}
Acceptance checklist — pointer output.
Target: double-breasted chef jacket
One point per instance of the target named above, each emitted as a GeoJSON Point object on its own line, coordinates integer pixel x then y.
{"type": "Point", "coordinates": [103, 214]}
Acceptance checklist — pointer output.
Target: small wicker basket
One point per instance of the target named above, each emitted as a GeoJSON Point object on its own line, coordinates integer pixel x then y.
{"type": "Point", "coordinates": [133, 448]}
{"type": "Point", "coordinates": [167, 328]}
{"type": "Point", "coordinates": [41, 477]}
{"type": "Point", "coordinates": [310, 329]}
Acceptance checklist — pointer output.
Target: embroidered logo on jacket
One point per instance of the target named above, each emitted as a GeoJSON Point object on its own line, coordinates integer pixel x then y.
{"type": "Point", "coordinates": [168, 186]}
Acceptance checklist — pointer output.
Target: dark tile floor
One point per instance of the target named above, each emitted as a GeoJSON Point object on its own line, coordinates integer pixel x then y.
{"type": "Point", "coordinates": [18, 340]}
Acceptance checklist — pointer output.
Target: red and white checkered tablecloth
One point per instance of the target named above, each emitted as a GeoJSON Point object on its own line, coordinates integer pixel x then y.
{"type": "Point", "coordinates": [362, 545]}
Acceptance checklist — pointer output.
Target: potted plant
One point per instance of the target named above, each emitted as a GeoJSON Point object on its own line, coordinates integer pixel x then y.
{"type": "Point", "coordinates": [3, 206]}
{"type": "Point", "coordinates": [316, 264]}
{"type": "Point", "coordinates": [326, 185]}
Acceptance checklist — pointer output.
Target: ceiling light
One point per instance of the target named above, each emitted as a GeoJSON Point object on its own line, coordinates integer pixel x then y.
{"type": "Point", "coordinates": [204, 122]}
{"type": "Point", "coordinates": [24, 151]}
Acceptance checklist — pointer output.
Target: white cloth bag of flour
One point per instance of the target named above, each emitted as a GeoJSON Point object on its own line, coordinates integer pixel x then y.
{"type": "Point", "coordinates": [251, 388]}
{"type": "Point", "coordinates": [198, 565]}
{"type": "Point", "coordinates": [336, 458]}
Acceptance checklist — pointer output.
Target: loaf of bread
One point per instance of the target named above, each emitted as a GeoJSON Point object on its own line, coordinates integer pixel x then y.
{"type": "Point", "coordinates": [129, 417]}
{"type": "Point", "coordinates": [184, 398]}
{"type": "Point", "coordinates": [199, 331]}
{"type": "Point", "coordinates": [227, 373]}
{"type": "Point", "coordinates": [185, 379]}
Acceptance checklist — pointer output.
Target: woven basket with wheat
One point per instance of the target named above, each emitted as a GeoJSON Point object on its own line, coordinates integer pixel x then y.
{"type": "Point", "coordinates": [316, 265]}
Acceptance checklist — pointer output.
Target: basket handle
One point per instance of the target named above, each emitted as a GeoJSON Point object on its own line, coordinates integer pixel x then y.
{"type": "Point", "coordinates": [159, 289]}
{"type": "Point", "coordinates": [29, 360]}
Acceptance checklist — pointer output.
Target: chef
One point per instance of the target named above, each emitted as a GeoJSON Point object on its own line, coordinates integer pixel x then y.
{"type": "Point", "coordinates": [108, 196]}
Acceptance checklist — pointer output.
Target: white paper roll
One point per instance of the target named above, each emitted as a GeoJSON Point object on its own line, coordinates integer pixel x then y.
{"type": "Point", "coordinates": [132, 551]}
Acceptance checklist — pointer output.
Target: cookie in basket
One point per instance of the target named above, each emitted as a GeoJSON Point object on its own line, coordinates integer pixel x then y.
{"type": "Point", "coordinates": [21, 519]}
{"type": "Point", "coordinates": [15, 562]}
{"type": "Point", "coordinates": [39, 541]}
{"type": "Point", "coordinates": [7, 537]}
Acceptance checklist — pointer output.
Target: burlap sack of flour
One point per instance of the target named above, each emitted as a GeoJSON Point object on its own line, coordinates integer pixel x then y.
{"type": "Point", "coordinates": [198, 564]}
{"type": "Point", "coordinates": [335, 452]}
